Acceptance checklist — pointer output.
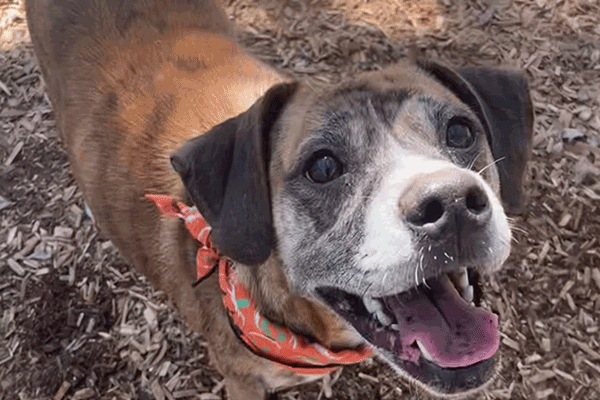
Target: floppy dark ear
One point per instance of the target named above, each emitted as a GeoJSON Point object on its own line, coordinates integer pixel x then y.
{"type": "Point", "coordinates": [225, 172]}
{"type": "Point", "coordinates": [501, 100]}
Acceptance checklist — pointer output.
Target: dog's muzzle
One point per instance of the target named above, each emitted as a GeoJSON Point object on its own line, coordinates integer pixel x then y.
{"type": "Point", "coordinates": [435, 331]}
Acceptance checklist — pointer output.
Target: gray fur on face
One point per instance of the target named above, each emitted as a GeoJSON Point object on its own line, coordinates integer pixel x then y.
{"type": "Point", "coordinates": [350, 233]}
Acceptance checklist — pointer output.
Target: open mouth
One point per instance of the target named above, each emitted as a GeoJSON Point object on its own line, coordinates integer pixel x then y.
{"type": "Point", "coordinates": [436, 332]}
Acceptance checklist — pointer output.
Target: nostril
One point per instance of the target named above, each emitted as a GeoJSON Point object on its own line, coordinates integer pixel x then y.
{"type": "Point", "coordinates": [476, 201]}
{"type": "Point", "coordinates": [429, 213]}
{"type": "Point", "coordinates": [433, 211]}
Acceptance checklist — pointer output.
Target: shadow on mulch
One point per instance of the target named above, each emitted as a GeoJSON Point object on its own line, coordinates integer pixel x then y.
{"type": "Point", "coordinates": [58, 329]}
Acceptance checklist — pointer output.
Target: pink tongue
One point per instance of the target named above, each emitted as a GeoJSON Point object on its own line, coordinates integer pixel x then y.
{"type": "Point", "coordinates": [454, 333]}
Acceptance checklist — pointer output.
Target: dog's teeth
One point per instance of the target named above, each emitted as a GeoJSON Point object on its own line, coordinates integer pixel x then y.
{"type": "Point", "coordinates": [424, 351]}
{"type": "Point", "coordinates": [463, 278]}
{"type": "Point", "coordinates": [375, 307]}
{"type": "Point", "coordinates": [468, 294]}
{"type": "Point", "coordinates": [372, 305]}
{"type": "Point", "coordinates": [394, 327]}
{"type": "Point", "coordinates": [383, 318]}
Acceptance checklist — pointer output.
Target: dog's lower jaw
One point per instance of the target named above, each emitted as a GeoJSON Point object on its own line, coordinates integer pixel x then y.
{"type": "Point", "coordinates": [439, 394]}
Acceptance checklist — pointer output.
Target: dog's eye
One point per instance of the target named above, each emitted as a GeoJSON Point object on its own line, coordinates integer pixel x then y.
{"type": "Point", "coordinates": [459, 134]}
{"type": "Point", "coordinates": [323, 167]}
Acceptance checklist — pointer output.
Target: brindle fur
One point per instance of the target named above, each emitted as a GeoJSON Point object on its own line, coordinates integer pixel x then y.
{"type": "Point", "coordinates": [131, 82]}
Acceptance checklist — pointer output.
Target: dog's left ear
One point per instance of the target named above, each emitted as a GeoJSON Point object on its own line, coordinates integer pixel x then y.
{"type": "Point", "coordinates": [225, 172]}
{"type": "Point", "coordinates": [501, 100]}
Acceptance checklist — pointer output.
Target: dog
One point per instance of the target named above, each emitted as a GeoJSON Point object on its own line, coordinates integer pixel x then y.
{"type": "Point", "coordinates": [358, 218]}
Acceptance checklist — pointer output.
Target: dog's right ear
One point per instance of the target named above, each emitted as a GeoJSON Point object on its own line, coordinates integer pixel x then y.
{"type": "Point", "coordinates": [225, 172]}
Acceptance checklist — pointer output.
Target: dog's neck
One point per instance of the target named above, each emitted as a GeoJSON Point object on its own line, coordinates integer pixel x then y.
{"type": "Point", "coordinates": [277, 301]}
{"type": "Point", "coordinates": [307, 333]}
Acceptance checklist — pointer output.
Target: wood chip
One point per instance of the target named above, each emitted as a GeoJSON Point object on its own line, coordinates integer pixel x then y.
{"type": "Point", "coordinates": [5, 88]}
{"type": "Point", "coordinates": [186, 393]}
{"type": "Point", "coordinates": [27, 125]}
{"type": "Point", "coordinates": [83, 394]}
{"type": "Point", "coordinates": [157, 390]}
{"type": "Point", "coordinates": [564, 221]}
{"type": "Point", "coordinates": [11, 113]}
{"type": "Point", "coordinates": [63, 232]}
{"type": "Point", "coordinates": [150, 316]}
{"type": "Point", "coordinates": [4, 203]}
{"type": "Point", "coordinates": [209, 396]}
{"type": "Point", "coordinates": [571, 302]}
{"type": "Point", "coordinates": [596, 277]}
{"type": "Point", "coordinates": [161, 353]}
{"type": "Point", "coordinates": [29, 246]}
{"type": "Point", "coordinates": [14, 153]}
{"type": "Point", "coordinates": [16, 267]}
{"type": "Point", "coordinates": [543, 394]}
{"type": "Point", "coordinates": [546, 345]}
{"type": "Point", "coordinates": [532, 358]}
{"type": "Point", "coordinates": [64, 388]}
{"type": "Point", "coordinates": [594, 366]}
{"type": "Point", "coordinates": [586, 348]}
{"type": "Point", "coordinates": [369, 378]}
{"type": "Point", "coordinates": [564, 375]}
{"type": "Point", "coordinates": [69, 192]}
{"type": "Point", "coordinates": [542, 376]}
{"type": "Point", "coordinates": [566, 288]}
{"type": "Point", "coordinates": [543, 252]}
{"type": "Point", "coordinates": [218, 387]}
{"type": "Point", "coordinates": [164, 368]}
{"type": "Point", "coordinates": [510, 343]}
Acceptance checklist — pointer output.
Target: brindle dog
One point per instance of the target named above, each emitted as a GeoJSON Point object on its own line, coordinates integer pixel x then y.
{"type": "Point", "coordinates": [360, 213]}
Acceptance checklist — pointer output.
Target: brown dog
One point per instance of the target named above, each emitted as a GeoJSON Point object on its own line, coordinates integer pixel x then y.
{"type": "Point", "coordinates": [359, 216]}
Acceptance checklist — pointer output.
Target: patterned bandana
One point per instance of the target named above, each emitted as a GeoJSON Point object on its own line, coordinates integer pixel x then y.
{"type": "Point", "coordinates": [263, 337]}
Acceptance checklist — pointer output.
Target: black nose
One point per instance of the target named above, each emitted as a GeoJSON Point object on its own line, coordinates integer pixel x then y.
{"type": "Point", "coordinates": [446, 201]}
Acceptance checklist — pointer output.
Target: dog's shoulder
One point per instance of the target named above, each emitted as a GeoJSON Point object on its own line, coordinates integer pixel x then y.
{"type": "Point", "coordinates": [144, 79]}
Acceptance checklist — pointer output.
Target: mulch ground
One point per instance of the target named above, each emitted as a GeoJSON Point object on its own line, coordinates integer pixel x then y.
{"type": "Point", "coordinates": [76, 323]}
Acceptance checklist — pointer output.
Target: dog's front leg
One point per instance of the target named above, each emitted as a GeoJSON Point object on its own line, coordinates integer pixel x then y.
{"type": "Point", "coordinates": [245, 374]}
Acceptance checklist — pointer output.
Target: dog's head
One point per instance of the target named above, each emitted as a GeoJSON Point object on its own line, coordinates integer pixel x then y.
{"type": "Point", "coordinates": [382, 198]}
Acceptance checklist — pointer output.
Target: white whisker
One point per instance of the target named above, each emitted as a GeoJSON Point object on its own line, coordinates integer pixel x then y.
{"type": "Point", "coordinates": [416, 276]}
{"type": "Point", "coordinates": [490, 164]}
{"type": "Point", "coordinates": [472, 163]}
{"type": "Point", "coordinates": [519, 229]}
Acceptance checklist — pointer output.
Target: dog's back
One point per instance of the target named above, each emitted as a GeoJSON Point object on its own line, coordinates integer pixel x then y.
{"type": "Point", "coordinates": [130, 82]}
{"type": "Point", "coordinates": [63, 30]}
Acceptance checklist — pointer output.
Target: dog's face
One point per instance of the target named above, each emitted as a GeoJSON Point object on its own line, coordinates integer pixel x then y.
{"type": "Point", "coordinates": [381, 198]}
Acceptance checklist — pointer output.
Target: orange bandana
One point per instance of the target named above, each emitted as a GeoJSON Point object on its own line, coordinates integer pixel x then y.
{"type": "Point", "coordinates": [263, 337]}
